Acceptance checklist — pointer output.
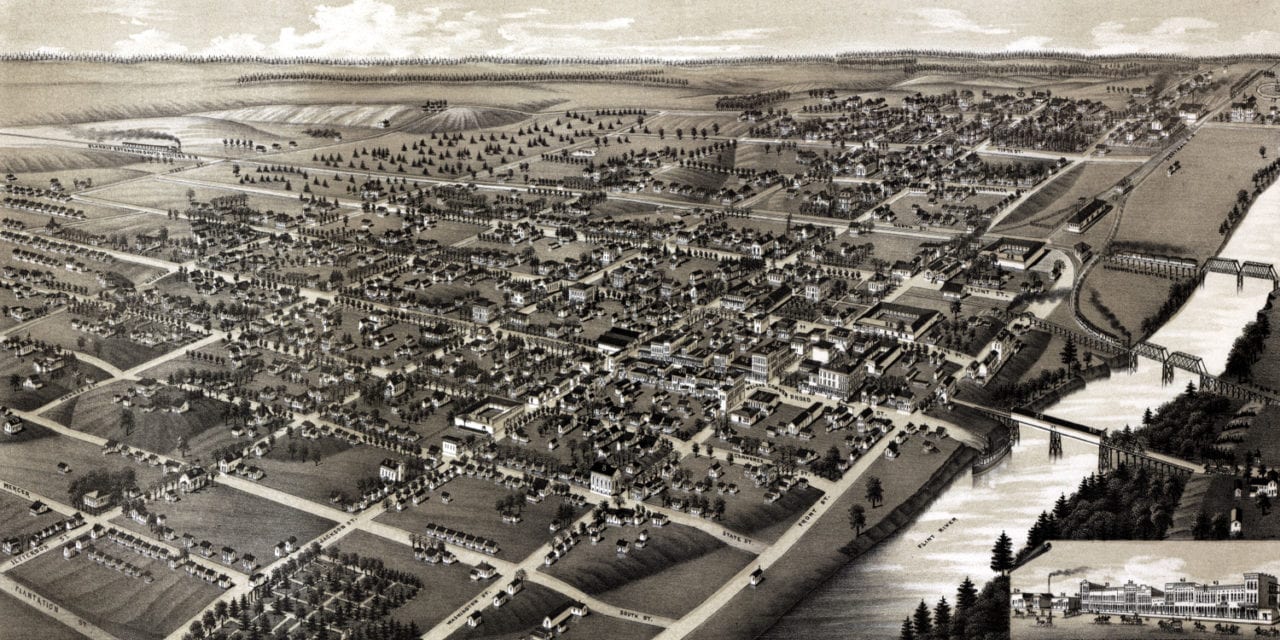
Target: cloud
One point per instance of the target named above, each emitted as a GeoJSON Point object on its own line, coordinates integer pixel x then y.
{"type": "Point", "coordinates": [1172, 35]}
{"type": "Point", "coordinates": [1264, 40]}
{"type": "Point", "coordinates": [242, 44]}
{"type": "Point", "coordinates": [526, 14]}
{"type": "Point", "coordinates": [361, 28]}
{"type": "Point", "coordinates": [1029, 43]}
{"type": "Point", "coordinates": [730, 35]}
{"type": "Point", "coordinates": [548, 38]}
{"type": "Point", "coordinates": [613, 24]}
{"type": "Point", "coordinates": [149, 42]}
{"type": "Point", "coordinates": [137, 12]}
{"type": "Point", "coordinates": [1152, 570]}
{"type": "Point", "coordinates": [941, 20]}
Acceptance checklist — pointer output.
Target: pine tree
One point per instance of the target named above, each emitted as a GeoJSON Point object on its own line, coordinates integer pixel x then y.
{"type": "Point", "coordinates": [1002, 554]}
{"type": "Point", "coordinates": [1068, 353]}
{"type": "Point", "coordinates": [942, 618]}
{"type": "Point", "coordinates": [922, 620]}
{"type": "Point", "coordinates": [908, 633]}
{"type": "Point", "coordinates": [966, 597]}
{"type": "Point", "coordinates": [1061, 507]}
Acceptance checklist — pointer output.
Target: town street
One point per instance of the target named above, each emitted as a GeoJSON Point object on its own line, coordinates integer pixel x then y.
{"type": "Point", "coordinates": [685, 625]}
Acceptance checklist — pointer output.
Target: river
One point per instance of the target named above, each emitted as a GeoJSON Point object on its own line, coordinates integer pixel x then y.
{"type": "Point", "coordinates": [874, 593]}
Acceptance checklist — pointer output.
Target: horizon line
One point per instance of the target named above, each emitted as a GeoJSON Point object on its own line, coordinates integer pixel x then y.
{"type": "Point", "coordinates": [868, 54]}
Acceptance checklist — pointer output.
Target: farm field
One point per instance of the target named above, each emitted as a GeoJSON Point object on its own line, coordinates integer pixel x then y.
{"type": "Point", "coordinates": [233, 518]}
{"type": "Point", "coordinates": [22, 156]}
{"type": "Point", "coordinates": [110, 600]}
{"type": "Point", "coordinates": [157, 193]}
{"type": "Point", "coordinates": [99, 176]}
{"type": "Point", "coordinates": [678, 568]}
{"type": "Point", "coordinates": [1179, 214]}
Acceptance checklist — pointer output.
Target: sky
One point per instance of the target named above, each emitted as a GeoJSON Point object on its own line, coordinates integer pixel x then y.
{"type": "Point", "coordinates": [648, 28]}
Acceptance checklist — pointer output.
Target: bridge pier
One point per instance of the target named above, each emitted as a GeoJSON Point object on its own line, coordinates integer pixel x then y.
{"type": "Point", "coordinates": [1055, 444]}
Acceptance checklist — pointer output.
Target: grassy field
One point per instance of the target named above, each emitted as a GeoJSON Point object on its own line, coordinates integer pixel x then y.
{"type": "Point", "coordinates": [139, 223]}
{"type": "Point", "coordinates": [33, 463]}
{"type": "Point", "coordinates": [125, 607]}
{"type": "Point", "coordinates": [1132, 297]}
{"type": "Point", "coordinates": [21, 159]}
{"type": "Point", "coordinates": [17, 615]}
{"type": "Point", "coordinates": [1184, 210]}
{"type": "Point", "coordinates": [316, 482]}
{"type": "Point", "coordinates": [227, 517]}
{"type": "Point", "coordinates": [516, 618]}
{"type": "Point", "coordinates": [161, 194]}
{"type": "Point", "coordinates": [160, 431]}
{"type": "Point", "coordinates": [16, 518]}
{"type": "Point", "coordinates": [471, 511]}
{"type": "Point", "coordinates": [70, 378]}
{"type": "Point", "coordinates": [99, 176]}
{"type": "Point", "coordinates": [1045, 211]}
{"type": "Point", "coordinates": [119, 350]}
{"type": "Point", "coordinates": [444, 587]}
{"type": "Point", "coordinates": [595, 627]}
{"type": "Point", "coordinates": [680, 567]}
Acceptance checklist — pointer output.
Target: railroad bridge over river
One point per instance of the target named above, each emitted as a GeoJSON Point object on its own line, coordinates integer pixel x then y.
{"type": "Point", "coordinates": [1110, 453]}
{"type": "Point", "coordinates": [1242, 270]}
{"type": "Point", "coordinates": [1169, 361]}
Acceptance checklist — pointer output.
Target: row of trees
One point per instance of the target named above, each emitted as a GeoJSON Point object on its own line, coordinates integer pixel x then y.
{"type": "Point", "coordinates": [1127, 504]}
{"type": "Point", "coordinates": [1247, 349]}
{"type": "Point", "coordinates": [639, 76]}
{"type": "Point", "coordinates": [1188, 426]}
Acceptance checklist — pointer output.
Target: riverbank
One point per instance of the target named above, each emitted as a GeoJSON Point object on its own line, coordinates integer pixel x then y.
{"type": "Point", "coordinates": [1073, 384]}
{"type": "Point", "coordinates": [831, 544]}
